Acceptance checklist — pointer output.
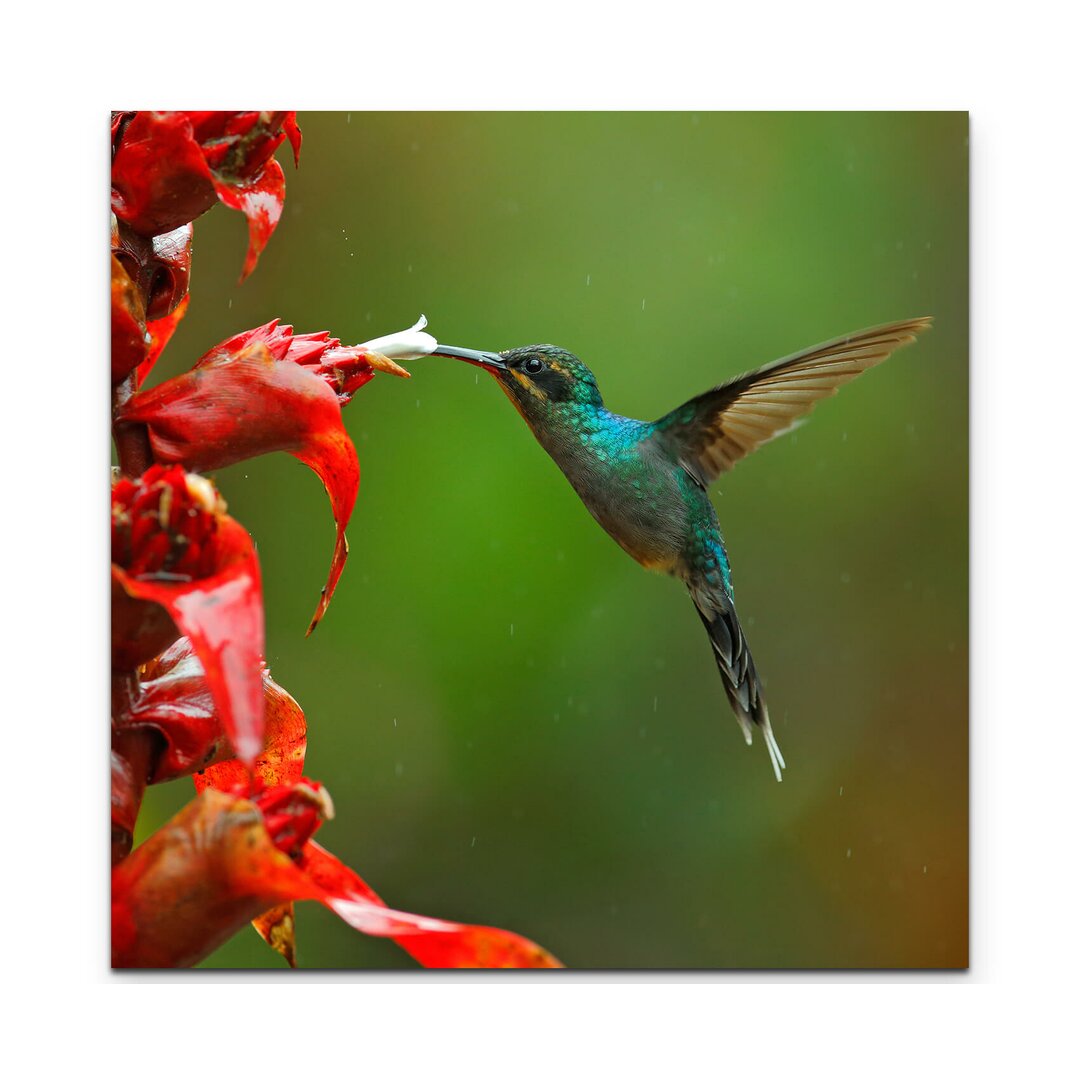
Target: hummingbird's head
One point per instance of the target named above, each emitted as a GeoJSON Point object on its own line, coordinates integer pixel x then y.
{"type": "Point", "coordinates": [537, 378]}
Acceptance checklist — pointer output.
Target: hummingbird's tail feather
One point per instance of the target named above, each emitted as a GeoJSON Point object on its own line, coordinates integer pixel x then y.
{"type": "Point", "coordinates": [736, 665]}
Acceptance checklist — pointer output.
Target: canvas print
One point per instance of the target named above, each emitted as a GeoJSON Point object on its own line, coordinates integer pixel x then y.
{"type": "Point", "coordinates": [642, 642]}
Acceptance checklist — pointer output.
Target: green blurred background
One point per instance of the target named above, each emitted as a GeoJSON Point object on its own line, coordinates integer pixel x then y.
{"type": "Point", "coordinates": [520, 726]}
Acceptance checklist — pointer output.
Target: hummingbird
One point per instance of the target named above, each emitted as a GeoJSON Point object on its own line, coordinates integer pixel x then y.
{"type": "Point", "coordinates": [646, 482]}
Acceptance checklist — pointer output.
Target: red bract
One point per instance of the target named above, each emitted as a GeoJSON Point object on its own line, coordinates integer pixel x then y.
{"type": "Point", "coordinates": [170, 167]}
{"type": "Point", "coordinates": [173, 699]}
{"type": "Point", "coordinates": [160, 266]}
{"type": "Point", "coordinates": [149, 297]}
{"type": "Point", "coordinates": [260, 391]}
{"type": "Point", "coordinates": [224, 859]}
{"type": "Point", "coordinates": [173, 546]}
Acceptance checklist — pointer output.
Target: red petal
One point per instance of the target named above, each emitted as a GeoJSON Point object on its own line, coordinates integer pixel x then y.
{"type": "Point", "coordinates": [433, 942]}
{"type": "Point", "coordinates": [261, 201]}
{"type": "Point", "coordinates": [229, 408]}
{"type": "Point", "coordinates": [281, 760]}
{"type": "Point", "coordinates": [293, 132]}
{"type": "Point", "coordinates": [223, 616]}
{"type": "Point", "coordinates": [332, 456]}
{"type": "Point", "coordinates": [160, 330]}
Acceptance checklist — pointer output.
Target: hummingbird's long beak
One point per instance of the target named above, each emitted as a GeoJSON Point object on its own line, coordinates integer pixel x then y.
{"type": "Point", "coordinates": [472, 356]}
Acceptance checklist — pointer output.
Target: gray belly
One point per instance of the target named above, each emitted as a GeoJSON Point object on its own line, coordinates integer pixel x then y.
{"type": "Point", "coordinates": [639, 504]}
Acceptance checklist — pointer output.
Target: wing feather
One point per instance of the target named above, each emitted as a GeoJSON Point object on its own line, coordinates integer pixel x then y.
{"type": "Point", "coordinates": [720, 427]}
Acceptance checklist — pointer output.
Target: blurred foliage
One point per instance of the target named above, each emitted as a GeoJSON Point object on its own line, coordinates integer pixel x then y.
{"type": "Point", "coordinates": [519, 725]}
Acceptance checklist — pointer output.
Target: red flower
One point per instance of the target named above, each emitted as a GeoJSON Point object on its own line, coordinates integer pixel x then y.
{"type": "Point", "coordinates": [224, 859]}
{"type": "Point", "coordinates": [265, 390]}
{"type": "Point", "coordinates": [170, 167]}
{"type": "Point", "coordinates": [181, 564]}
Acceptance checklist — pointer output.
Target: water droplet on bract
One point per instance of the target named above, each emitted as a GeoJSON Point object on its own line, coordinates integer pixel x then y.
{"type": "Point", "coordinates": [841, 789]}
{"type": "Point", "coordinates": [473, 844]}
{"type": "Point", "coordinates": [849, 853]}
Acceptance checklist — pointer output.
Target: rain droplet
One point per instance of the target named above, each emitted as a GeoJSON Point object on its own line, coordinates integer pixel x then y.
{"type": "Point", "coordinates": [841, 789]}
{"type": "Point", "coordinates": [849, 853]}
{"type": "Point", "coordinates": [473, 844]}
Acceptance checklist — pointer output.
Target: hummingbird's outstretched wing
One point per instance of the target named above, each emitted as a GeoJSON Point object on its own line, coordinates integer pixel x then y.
{"type": "Point", "coordinates": [714, 430]}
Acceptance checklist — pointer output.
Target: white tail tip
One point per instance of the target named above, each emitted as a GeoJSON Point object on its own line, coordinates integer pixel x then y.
{"type": "Point", "coordinates": [773, 747]}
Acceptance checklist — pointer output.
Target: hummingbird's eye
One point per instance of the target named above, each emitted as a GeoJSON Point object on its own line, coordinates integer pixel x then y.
{"type": "Point", "coordinates": [533, 365]}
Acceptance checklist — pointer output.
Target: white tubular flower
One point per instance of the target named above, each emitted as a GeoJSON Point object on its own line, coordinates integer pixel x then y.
{"type": "Point", "coordinates": [406, 345]}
